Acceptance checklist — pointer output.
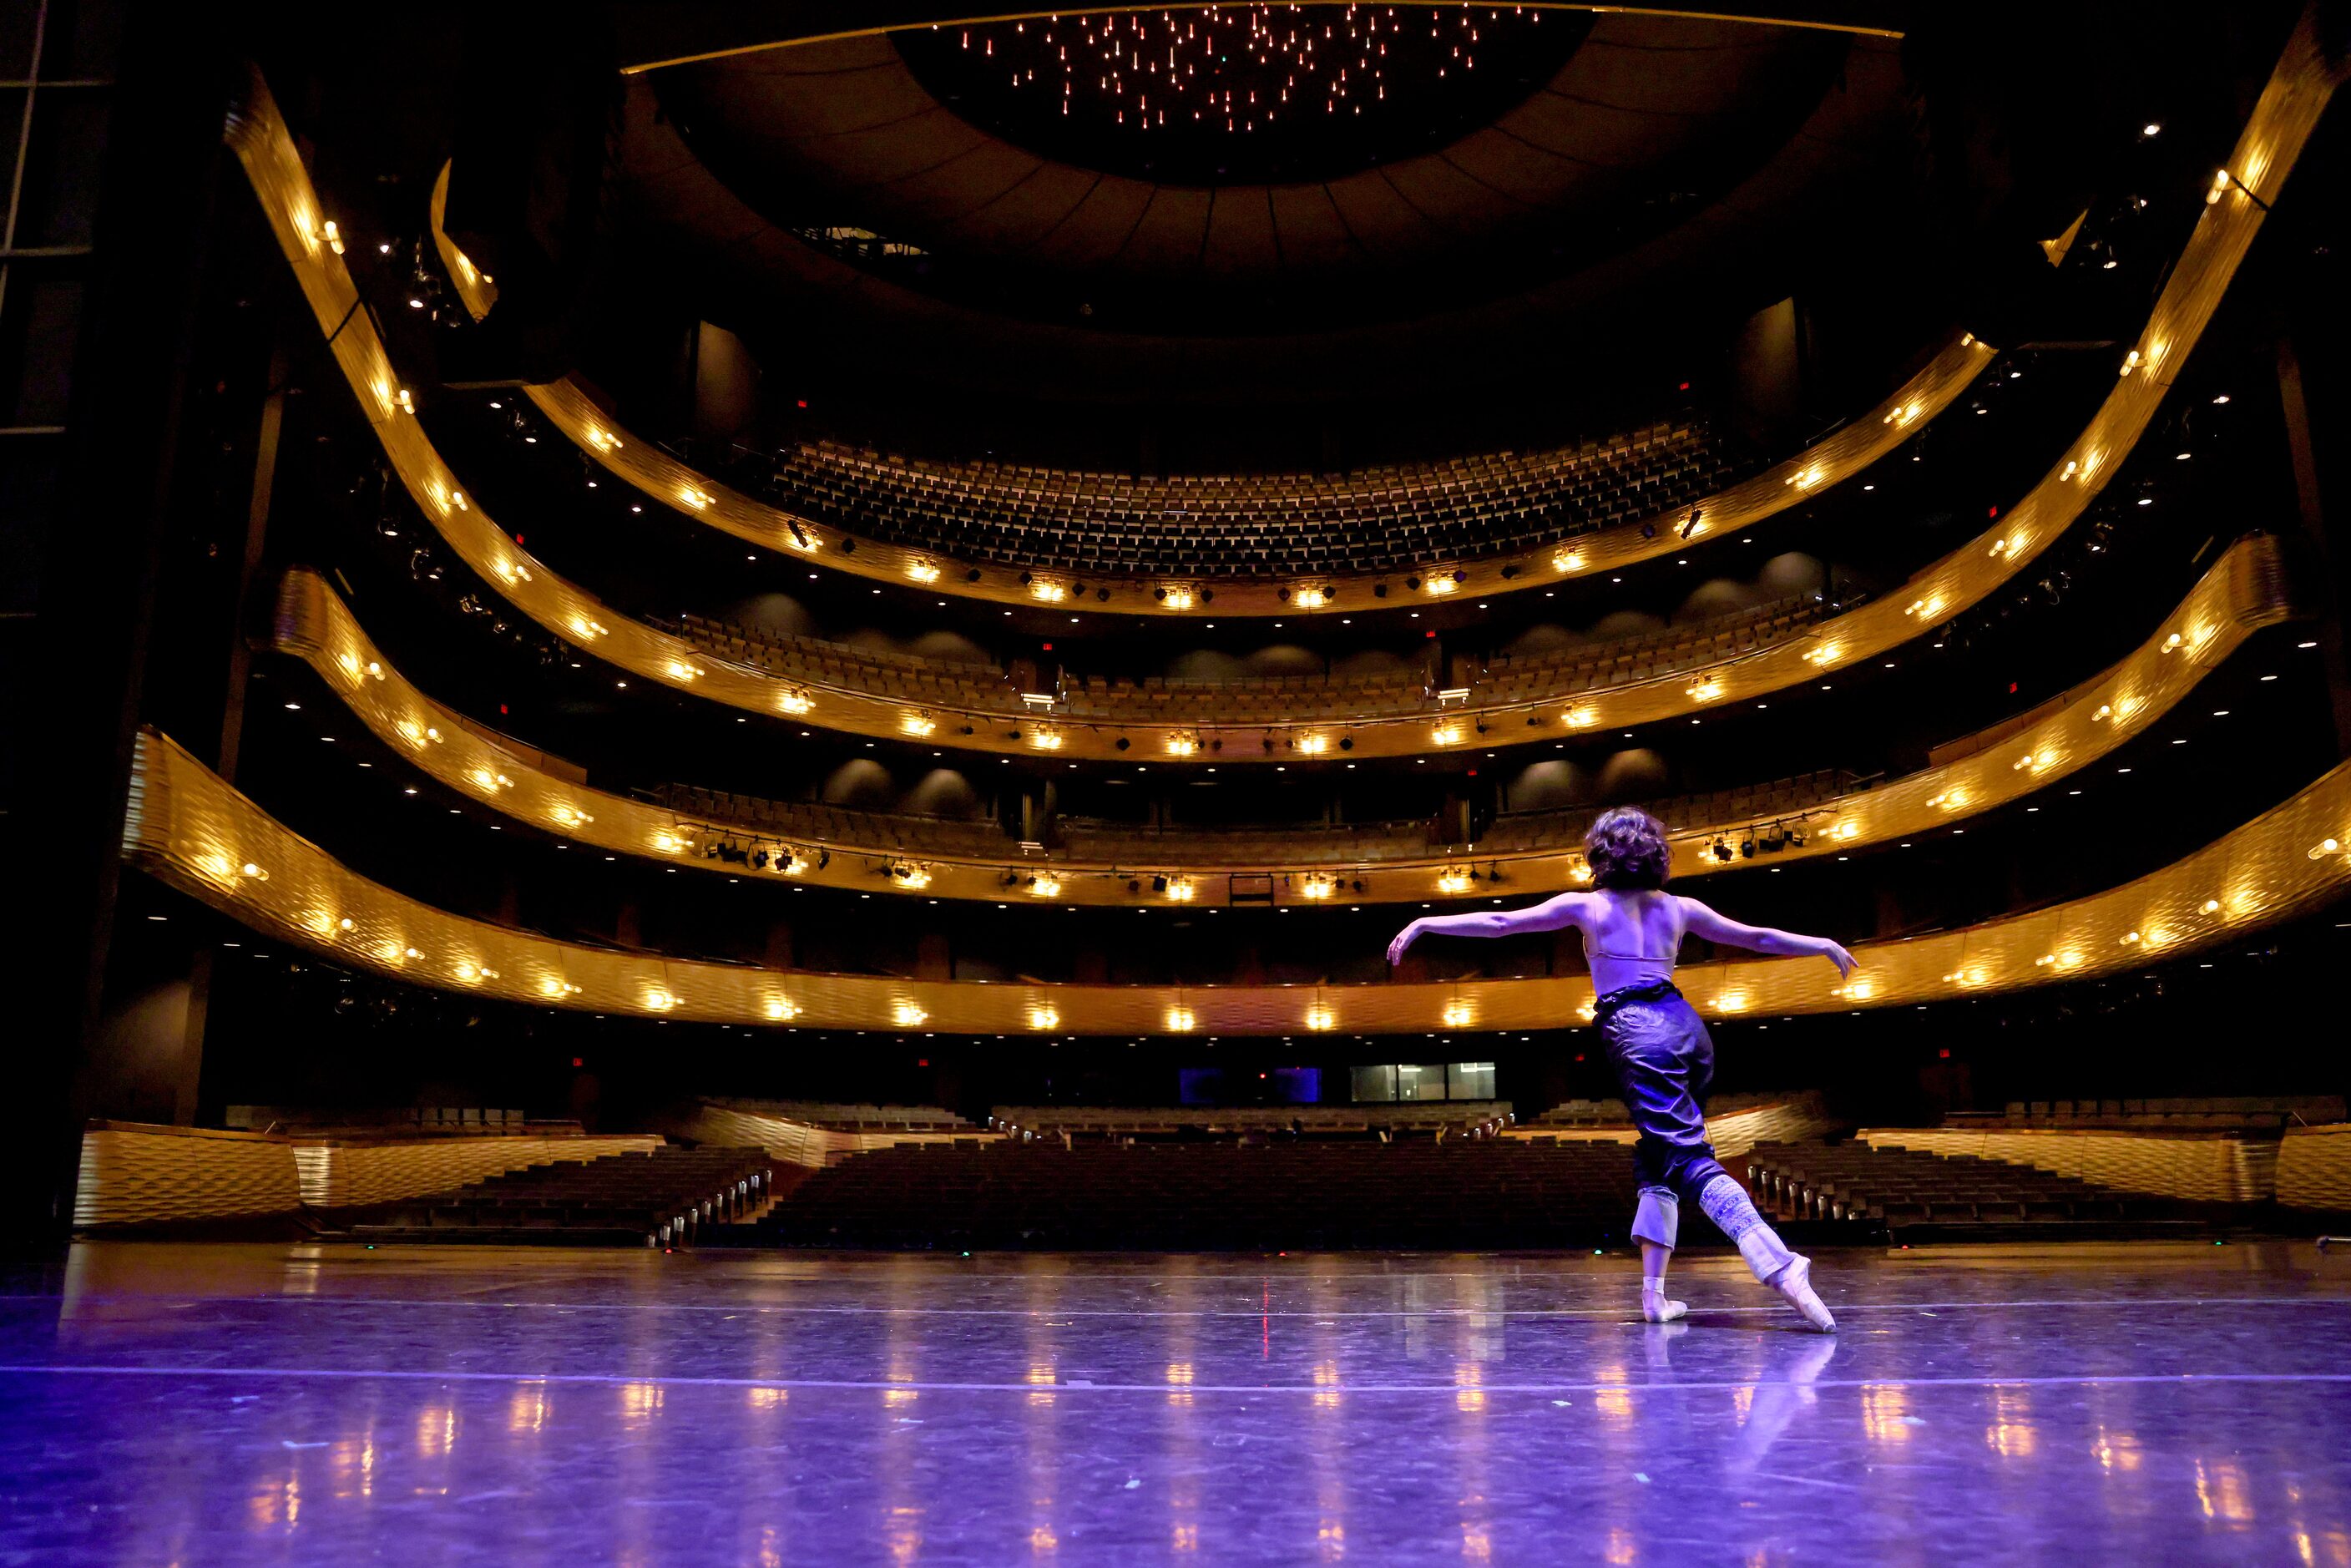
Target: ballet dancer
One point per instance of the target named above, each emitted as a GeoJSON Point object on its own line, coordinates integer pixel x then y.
{"type": "Point", "coordinates": [1633, 931]}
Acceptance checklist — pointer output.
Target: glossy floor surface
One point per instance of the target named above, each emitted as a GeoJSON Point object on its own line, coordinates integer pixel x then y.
{"type": "Point", "coordinates": [260, 1405]}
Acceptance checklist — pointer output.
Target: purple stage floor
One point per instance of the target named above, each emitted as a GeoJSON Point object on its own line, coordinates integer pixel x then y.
{"type": "Point", "coordinates": [186, 1404]}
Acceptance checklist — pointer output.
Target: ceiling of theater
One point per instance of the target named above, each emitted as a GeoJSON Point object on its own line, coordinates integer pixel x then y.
{"type": "Point", "coordinates": [1324, 167]}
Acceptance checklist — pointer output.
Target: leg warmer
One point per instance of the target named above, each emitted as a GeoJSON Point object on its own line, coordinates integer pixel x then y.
{"type": "Point", "coordinates": [1659, 1217]}
{"type": "Point", "coordinates": [1728, 1205]}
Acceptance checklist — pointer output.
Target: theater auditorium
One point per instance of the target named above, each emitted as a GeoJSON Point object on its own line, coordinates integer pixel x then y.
{"type": "Point", "coordinates": [878, 783]}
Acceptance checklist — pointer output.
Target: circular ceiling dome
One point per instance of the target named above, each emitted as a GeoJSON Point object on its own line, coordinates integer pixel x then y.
{"type": "Point", "coordinates": [1007, 168]}
{"type": "Point", "coordinates": [1247, 95]}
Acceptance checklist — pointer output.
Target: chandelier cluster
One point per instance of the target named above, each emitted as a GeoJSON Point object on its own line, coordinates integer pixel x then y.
{"type": "Point", "coordinates": [1240, 67]}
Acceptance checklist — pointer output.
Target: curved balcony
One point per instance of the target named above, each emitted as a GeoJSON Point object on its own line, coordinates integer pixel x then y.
{"type": "Point", "coordinates": [1101, 863]}
{"type": "Point", "coordinates": [1239, 545]}
{"type": "Point", "coordinates": [2281, 123]}
{"type": "Point", "coordinates": [193, 831]}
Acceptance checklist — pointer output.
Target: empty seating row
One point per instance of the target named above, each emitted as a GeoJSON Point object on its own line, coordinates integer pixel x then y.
{"type": "Point", "coordinates": [1095, 840]}
{"type": "Point", "coordinates": [1411, 1116]}
{"type": "Point", "coordinates": [402, 1122]}
{"type": "Point", "coordinates": [848, 1117]}
{"type": "Point", "coordinates": [1893, 1186]}
{"type": "Point", "coordinates": [1461, 1193]}
{"type": "Point", "coordinates": [2250, 1112]}
{"type": "Point", "coordinates": [1255, 700]}
{"type": "Point", "coordinates": [1368, 520]}
{"type": "Point", "coordinates": [658, 1196]}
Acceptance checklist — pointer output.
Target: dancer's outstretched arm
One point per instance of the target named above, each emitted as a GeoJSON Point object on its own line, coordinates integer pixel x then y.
{"type": "Point", "coordinates": [1701, 920]}
{"type": "Point", "coordinates": [1549, 915]}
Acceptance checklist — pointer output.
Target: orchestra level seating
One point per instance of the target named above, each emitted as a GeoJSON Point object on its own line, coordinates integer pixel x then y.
{"type": "Point", "coordinates": [657, 1197]}
{"type": "Point", "coordinates": [1179, 1197]}
{"type": "Point", "coordinates": [1903, 1189]}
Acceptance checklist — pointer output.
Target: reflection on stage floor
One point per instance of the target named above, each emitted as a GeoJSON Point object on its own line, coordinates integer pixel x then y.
{"type": "Point", "coordinates": [259, 1404]}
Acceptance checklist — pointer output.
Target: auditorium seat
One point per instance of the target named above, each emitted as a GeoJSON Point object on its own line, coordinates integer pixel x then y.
{"type": "Point", "coordinates": [1853, 1181]}
{"type": "Point", "coordinates": [1388, 519]}
{"type": "Point", "coordinates": [2245, 1112]}
{"type": "Point", "coordinates": [1269, 700]}
{"type": "Point", "coordinates": [1097, 840]}
{"type": "Point", "coordinates": [838, 1116]}
{"type": "Point", "coordinates": [1413, 1118]}
{"type": "Point", "coordinates": [1175, 1195]}
{"type": "Point", "coordinates": [658, 1197]}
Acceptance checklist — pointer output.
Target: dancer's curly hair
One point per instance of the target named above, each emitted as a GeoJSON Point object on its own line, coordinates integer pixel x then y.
{"type": "Point", "coordinates": [1627, 850]}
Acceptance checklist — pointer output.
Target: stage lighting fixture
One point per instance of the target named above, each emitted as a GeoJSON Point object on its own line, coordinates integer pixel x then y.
{"type": "Point", "coordinates": [1158, 884]}
{"type": "Point", "coordinates": [1747, 848]}
{"type": "Point", "coordinates": [1722, 849]}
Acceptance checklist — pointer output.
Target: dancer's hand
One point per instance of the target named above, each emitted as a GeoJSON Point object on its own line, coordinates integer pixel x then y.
{"type": "Point", "coordinates": [1404, 940]}
{"type": "Point", "coordinates": [1835, 954]}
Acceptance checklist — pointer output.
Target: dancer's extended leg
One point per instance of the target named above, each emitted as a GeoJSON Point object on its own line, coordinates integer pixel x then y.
{"type": "Point", "coordinates": [1790, 1273]}
{"type": "Point", "coordinates": [1656, 1225]}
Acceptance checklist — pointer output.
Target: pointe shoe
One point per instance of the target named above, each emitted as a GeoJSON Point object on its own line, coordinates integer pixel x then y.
{"type": "Point", "coordinates": [1658, 1308]}
{"type": "Point", "coordinates": [1796, 1282]}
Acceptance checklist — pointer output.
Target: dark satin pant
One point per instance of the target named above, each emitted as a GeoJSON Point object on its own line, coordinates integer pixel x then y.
{"type": "Point", "coordinates": [1664, 1063]}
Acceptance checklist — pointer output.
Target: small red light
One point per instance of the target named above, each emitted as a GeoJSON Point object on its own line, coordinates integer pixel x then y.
{"type": "Point", "coordinates": [1684, 387]}
{"type": "Point", "coordinates": [1992, 511]}
{"type": "Point", "coordinates": [502, 707]}
{"type": "Point", "coordinates": [921, 1061]}
{"type": "Point", "coordinates": [1579, 1056]}
{"type": "Point", "coordinates": [801, 402]}
{"type": "Point", "coordinates": [1473, 773]}
{"type": "Point", "coordinates": [2011, 688]}
{"type": "Point", "coordinates": [1945, 1053]}
{"type": "Point", "coordinates": [1049, 647]}
{"type": "Point", "coordinates": [578, 1061]}
{"type": "Point", "coordinates": [518, 538]}
{"type": "Point", "coordinates": [1431, 633]}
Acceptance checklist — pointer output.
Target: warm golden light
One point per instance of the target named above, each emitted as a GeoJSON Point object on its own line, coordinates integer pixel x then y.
{"type": "Point", "coordinates": [906, 1015]}
{"type": "Point", "coordinates": [1311, 598]}
{"type": "Point", "coordinates": [780, 1008]}
{"type": "Point", "coordinates": [1176, 596]}
{"type": "Point", "coordinates": [697, 499]}
{"type": "Point", "coordinates": [1313, 744]}
{"type": "Point", "coordinates": [1458, 1015]}
{"type": "Point", "coordinates": [1045, 739]}
{"type": "Point", "coordinates": [1567, 561]}
{"type": "Point", "coordinates": [1319, 887]}
{"type": "Point", "coordinates": [1046, 589]}
{"type": "Point", "coordinates": [1180, 1020]}
{"type": "Point", "coordinates": [1457, 879]}
{"type": "Point", "coordinates": [1182, 745]}
{"type": "Point", "coordinates": [911, 875]}
{"type": "Point", "coordinates": [794, 702]}
{"type": "Point", "coordinates": [1044, 1018]}
{"type": "Point", "coordinates": [1706, 690]}
{"type": "Point", "coordinates": [1045, 887]}
{"type": "Point", "coordinates": [1446, 734]}
{"type": "Point", "coordinates": [916, 723]}
{"type": "Point", "coordinates": [1180, 890]}
{"type": "Point", "coordinates": [923, 570]}
{"type": "Point", "coordinates": [1320, 1017]}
